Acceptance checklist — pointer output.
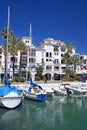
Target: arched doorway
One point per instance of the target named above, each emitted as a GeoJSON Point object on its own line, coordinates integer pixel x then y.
{"type": "Point", "coordinates": [56, 76]}
{"type": "Point", "coordinates": [48, 76]}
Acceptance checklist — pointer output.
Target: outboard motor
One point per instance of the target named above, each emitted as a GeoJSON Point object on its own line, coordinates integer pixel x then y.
{"type": "Point", "coordinates": [68, 91]}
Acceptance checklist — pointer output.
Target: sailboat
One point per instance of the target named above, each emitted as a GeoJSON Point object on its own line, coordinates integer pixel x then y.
{"type": "Point", "coordinates": [10, 96]}
{"type": "Point", "coordinates": [35, 92]}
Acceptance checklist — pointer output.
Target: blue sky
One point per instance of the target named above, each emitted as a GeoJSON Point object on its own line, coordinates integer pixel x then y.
{"type": "Point", "coordinates": [59, 19]}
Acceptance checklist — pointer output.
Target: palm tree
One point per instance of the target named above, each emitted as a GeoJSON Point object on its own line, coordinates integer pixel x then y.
{"type": "Point", "coordinates": [39, 71]}
{"type": "Point", "coordinates": [66, 56]}
{"type": "Point", "coordinates": [69, 46]}
{"type": "Point", "coordinates": [4, 33]}
{"type": "Point", "coordinates": [75, 60]}
{"type": "Point", "coordinates": [12, 47]}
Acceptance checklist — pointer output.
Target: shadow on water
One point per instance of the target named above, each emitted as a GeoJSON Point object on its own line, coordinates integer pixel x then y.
{"type": "Point", "coordinates": [57, 112]}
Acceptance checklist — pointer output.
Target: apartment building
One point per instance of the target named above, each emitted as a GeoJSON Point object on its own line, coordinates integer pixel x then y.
{"type": "Point", "coordinates": [47, 54]}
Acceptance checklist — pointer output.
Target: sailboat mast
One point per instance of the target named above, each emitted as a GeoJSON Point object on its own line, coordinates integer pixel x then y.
{"type": "Point", "coordinates": [31, 32]}
{"type": "Point", "coordinates": [29, 53]}
{"type": "Point", "coordinates": [6, 64]}
{"type": "Point", "coordinates": [30, 49]}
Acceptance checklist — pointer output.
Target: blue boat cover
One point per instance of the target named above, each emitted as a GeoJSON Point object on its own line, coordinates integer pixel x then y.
{"type": "Point", "coordinates": [5, 90]}
{"type": "Point", "coordinates": [6, 81]}
{"type": "Point", "coordinates": [32, 83]}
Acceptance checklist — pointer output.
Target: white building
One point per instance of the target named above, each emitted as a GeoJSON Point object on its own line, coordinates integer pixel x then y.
{"type": "Point", "coordinates": [48, 55]}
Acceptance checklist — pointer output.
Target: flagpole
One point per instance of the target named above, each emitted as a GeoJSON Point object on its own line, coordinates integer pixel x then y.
{"type": "Point", "coordinates": [6, 57]}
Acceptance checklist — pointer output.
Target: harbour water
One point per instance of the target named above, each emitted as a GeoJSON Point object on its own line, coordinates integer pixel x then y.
{"type": "Point", "coordinates": [56, 113]}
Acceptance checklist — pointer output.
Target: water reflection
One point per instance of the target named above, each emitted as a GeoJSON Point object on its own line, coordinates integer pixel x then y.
{"type": "Point", "coordinates": [63, 113]}
{"type": "Point", "coordinates": [8, 118]}
{"type": "Point", "coordinates": [10, 115]}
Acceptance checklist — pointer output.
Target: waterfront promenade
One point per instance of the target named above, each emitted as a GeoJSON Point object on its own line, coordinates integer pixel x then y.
{"type": "Point", "coordinates": [51, 84]}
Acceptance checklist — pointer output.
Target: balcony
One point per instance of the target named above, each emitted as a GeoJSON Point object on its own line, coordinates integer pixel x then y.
{"type": "Point", "coordinates": [49, 63]}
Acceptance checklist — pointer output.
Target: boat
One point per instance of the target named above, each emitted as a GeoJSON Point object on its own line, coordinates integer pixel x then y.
{"type": "Point", "coordinates": [49, 91]}
{"type": "Point", "coordinates": [60, 90]}
{"type": "Point", "coordinates": [35, 92]}
{"type": "Point", "coordinates": [76, 90]}
{"type": "Point", "coordinates": [10, 96]}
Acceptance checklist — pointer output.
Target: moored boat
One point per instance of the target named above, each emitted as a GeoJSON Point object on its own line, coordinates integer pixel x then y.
{"type": "Point", "coordinates": [77, 90]}
{"type": "Point", "coordinates": [35, 92]}
{"type": "Point", "coordinates": [49, 91]}
{"type": "Point", "coordinates": [60, 89]}
{"type": "Point", "coordinates": [10, 96]}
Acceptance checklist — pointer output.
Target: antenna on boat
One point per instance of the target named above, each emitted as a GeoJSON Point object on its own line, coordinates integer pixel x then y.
{"type": "Point", "coordinates": [6, 56]}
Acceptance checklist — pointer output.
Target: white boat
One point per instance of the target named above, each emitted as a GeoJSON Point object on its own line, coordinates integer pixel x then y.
{"type": "Point", "coordinates": [10, 96]}
{"type": "Point", "coordinates": [35, 92]}
{"type": "Point", "coordinates": [61, 90]}
{"type": "Point", "coordinates": [49, 91]}
{"type": "Point", "coordinates": [76, 90]}
{"type": "Point", "coordinates": [10, 101]}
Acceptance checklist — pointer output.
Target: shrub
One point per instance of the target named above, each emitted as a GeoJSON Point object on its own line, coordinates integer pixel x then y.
{"type": "Point", "coordinates": [78, 77]}
{"type": "Point", "coordinates": [37, 78]}
{"type": "Point", "coordinates": [22, 80]}
{"type": "Point", "coordinates": [15, 79]}
{"type": "Point", "coordinates": [43, 77]}
{"type": "Point", "coordinates": [70, 79]}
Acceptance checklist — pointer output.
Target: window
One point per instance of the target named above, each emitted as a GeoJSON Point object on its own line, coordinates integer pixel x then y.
{"type": "Point", "coordinates": [56, 67]}
{"type": "Point", "coordinates": [48, 67]}
{"type": "Point", "coordinates": [55, 48]}
{"type": "Point", "coordinates": [42, 60]}
{"type": "Point", "coordinates": [27, 41]}
{"type": "Point", "coordinates": [50, 54]}
{"type": "Point", "coordinates": [32, 53]}
{"type": "Point", "coordinates": [32, 60]}
{"type": "Point", "coordinates": [46, 54]}
{"type": "Point", "coordinates": [56, 61]}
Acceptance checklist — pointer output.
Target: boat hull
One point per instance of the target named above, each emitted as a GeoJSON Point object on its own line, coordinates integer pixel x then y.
{"type": "Point", "coordinates": [11, 102]}
{"type": "Point", "coordinates": [76, 90]}
{"type": "Point", "coordinates": [50, 93]}
{"type": "Point", "coordinates": [35, 96]}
